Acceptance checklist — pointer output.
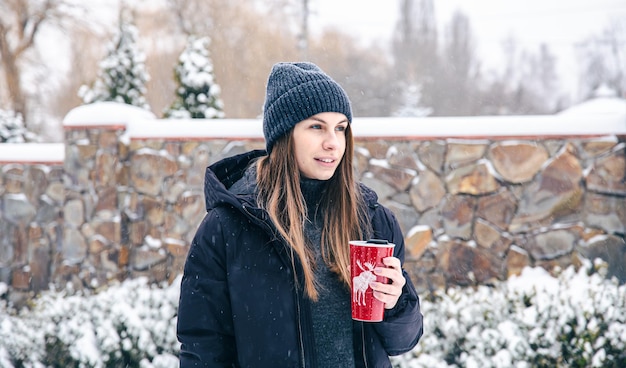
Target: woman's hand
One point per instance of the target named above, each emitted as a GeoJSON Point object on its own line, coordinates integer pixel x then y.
{"type": "Point", "coordinates": [389, 293]}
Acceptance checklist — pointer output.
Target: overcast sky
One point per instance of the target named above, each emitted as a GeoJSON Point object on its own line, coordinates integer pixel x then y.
{"type": "Point", "coordinates": [558, 23]}
{"type": "Point", "coordinates": [550, 21]}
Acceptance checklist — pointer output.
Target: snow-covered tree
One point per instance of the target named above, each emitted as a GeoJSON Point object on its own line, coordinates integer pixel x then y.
{"type": "Point", "coordinates": [601, 59]}
{"type": "Point", "coordinates": [412, 97]}
{"type": "Point", "coordinates": [123, 75]}
{"type": "Point", "coordinates": [12, 129]}
{"type": "Point", "coordinates": [197, 95]}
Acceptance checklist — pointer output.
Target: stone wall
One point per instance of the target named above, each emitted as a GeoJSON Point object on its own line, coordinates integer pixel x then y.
{"type": "Point", "coordinates": [31, 224]}
{"type": "Point", "coordinates": [473, 210]}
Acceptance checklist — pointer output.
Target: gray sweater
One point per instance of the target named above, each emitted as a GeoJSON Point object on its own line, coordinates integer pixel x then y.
{"type": "Point", "coordinates": [331, 315]}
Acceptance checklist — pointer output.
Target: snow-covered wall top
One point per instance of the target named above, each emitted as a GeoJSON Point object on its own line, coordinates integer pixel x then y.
{"type": "Point", "coordinates": [105, 114]}
{"type": "Point", "coordinates": [601, 116]}
{"type": "Point", "coordinates": [608, 115]}
{"type": "Point", "coordinates": [35, 153]}
{"type": "Point", "coordinates": [385, 127]}
{"type": "Point", "coordinates": [597, 117]}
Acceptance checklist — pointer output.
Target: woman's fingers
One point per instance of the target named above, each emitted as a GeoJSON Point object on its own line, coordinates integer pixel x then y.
{"type": "Point", "coordinates": [390, 292]}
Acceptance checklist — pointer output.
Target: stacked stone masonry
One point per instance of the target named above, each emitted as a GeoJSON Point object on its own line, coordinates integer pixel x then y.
{"type": "Point", "coordinates": [473, 211]}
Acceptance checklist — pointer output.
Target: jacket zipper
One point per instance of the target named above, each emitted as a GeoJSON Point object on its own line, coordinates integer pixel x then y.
{"type": "Point", "coordinates": [363, 342]}
{"type": "Point", "coordinates": [299, 318]}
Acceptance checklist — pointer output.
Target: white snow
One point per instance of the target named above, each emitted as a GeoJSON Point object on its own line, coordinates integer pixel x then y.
{"type": "Point", "coordinates": [152, 243]}
{"type": "Point", "coordinates": [105, 114]}
{"type": "Point", "coordinates": [603, 105]}
{"type": "Point", "coordinates": [32, 152]}
{"type": "Point", "coordinates": [388, 127]}
{"type": "Point", "coordinates": [194, 128]}
{"type": "Point", "coordinates": [491, 126]}
{"type": "Point", "coordinates": [417, 228]}
{"type": "Point", "coordinates": [532, 279]}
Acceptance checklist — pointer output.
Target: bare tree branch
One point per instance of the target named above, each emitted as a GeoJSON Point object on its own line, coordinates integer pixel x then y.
{"type": "Point", "coordinates": [20, 23]}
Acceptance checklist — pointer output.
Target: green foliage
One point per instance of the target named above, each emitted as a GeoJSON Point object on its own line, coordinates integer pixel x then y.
{"type": "Point", "coordinates": [123, 75]}
{"type": "Point", "coordinates": [58, 353]}
{"type": "Point", "coordinates": [12, 129]}
{"type": "Point", "coordinates": [197, 95]}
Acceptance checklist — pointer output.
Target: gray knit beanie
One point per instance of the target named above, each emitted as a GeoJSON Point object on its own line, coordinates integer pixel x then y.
{"type": "Point", "coordinates": [295, 92]}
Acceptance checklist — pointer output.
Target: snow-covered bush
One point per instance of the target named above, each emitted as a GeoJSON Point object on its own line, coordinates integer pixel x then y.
{"type": "Point", "coordinates": [577, 319]}
{"type": "Point", "coordinates": [12, 129]}
{"type": "Point", "coordinates": [129, 325]}
{"type": "Point", "coordinates": [535, 320]}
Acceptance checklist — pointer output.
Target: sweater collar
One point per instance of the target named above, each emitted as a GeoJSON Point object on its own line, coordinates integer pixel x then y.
{"type": "Point", "coordinates": [312, 191]}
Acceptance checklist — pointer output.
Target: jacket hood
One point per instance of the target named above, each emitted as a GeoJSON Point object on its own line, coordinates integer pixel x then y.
{"type": "Point", "coordinates": [222, 175]}
{"type": "Point", "coordinates": [229, 182]}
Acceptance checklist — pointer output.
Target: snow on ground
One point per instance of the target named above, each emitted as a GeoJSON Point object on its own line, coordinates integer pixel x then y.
{"type": "Point", "coordinates": [533, 319]}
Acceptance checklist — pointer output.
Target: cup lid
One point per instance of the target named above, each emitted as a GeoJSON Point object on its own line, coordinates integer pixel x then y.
{"type": "Point", "coordinates": [373, 243]}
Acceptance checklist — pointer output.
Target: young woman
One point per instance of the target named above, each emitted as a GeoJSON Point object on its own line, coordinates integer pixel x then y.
{"type": "Point", "coordinates": [267, 278]}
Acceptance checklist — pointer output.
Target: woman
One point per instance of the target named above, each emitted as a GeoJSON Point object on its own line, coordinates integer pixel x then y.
{"type": "Point", "coordinates": [267, 279]}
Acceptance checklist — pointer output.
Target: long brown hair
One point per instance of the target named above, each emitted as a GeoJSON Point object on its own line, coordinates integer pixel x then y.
{"type": "Point", "coordinates": [345, 215]}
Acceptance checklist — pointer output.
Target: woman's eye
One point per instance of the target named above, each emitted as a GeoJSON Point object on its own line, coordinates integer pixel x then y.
{"type": "Point", "coordinates": [316, 126]}
{"type": "Point", "coordinates": [340, 128]}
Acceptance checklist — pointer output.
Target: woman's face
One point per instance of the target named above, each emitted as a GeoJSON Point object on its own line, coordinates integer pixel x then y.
{"type": "Point", "coordinates": [320, 142]}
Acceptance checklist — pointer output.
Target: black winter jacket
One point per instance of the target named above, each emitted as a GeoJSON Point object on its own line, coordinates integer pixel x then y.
{"type": "Point", "coordinates": [239, 303]}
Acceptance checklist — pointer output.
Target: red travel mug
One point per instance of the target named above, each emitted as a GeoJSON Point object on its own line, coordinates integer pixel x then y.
{"type": "Point", "coordinates": [364, 257]}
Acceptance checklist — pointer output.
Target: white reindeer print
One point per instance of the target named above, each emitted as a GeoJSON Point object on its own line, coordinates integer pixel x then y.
{"type": "Point", "coordinates": [361, 282]}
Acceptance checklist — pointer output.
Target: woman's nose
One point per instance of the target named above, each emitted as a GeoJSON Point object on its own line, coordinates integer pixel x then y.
{"type": "Point", "coordinates": [331, 140]}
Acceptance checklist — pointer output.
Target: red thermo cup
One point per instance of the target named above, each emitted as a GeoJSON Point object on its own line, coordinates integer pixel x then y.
{"type": "Point", "coordinates": [364, 257]}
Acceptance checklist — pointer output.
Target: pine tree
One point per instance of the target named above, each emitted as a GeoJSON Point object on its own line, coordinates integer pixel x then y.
{"type": "Point", "coordinates": [197, 95]}
{"type": "Point", "coordinates": [123, 75]}
{"type": "Point", "coordinates": [12, 128]}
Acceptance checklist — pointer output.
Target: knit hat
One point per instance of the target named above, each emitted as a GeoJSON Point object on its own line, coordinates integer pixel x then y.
{"type": "Point", "coordinates": [295, 92]}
